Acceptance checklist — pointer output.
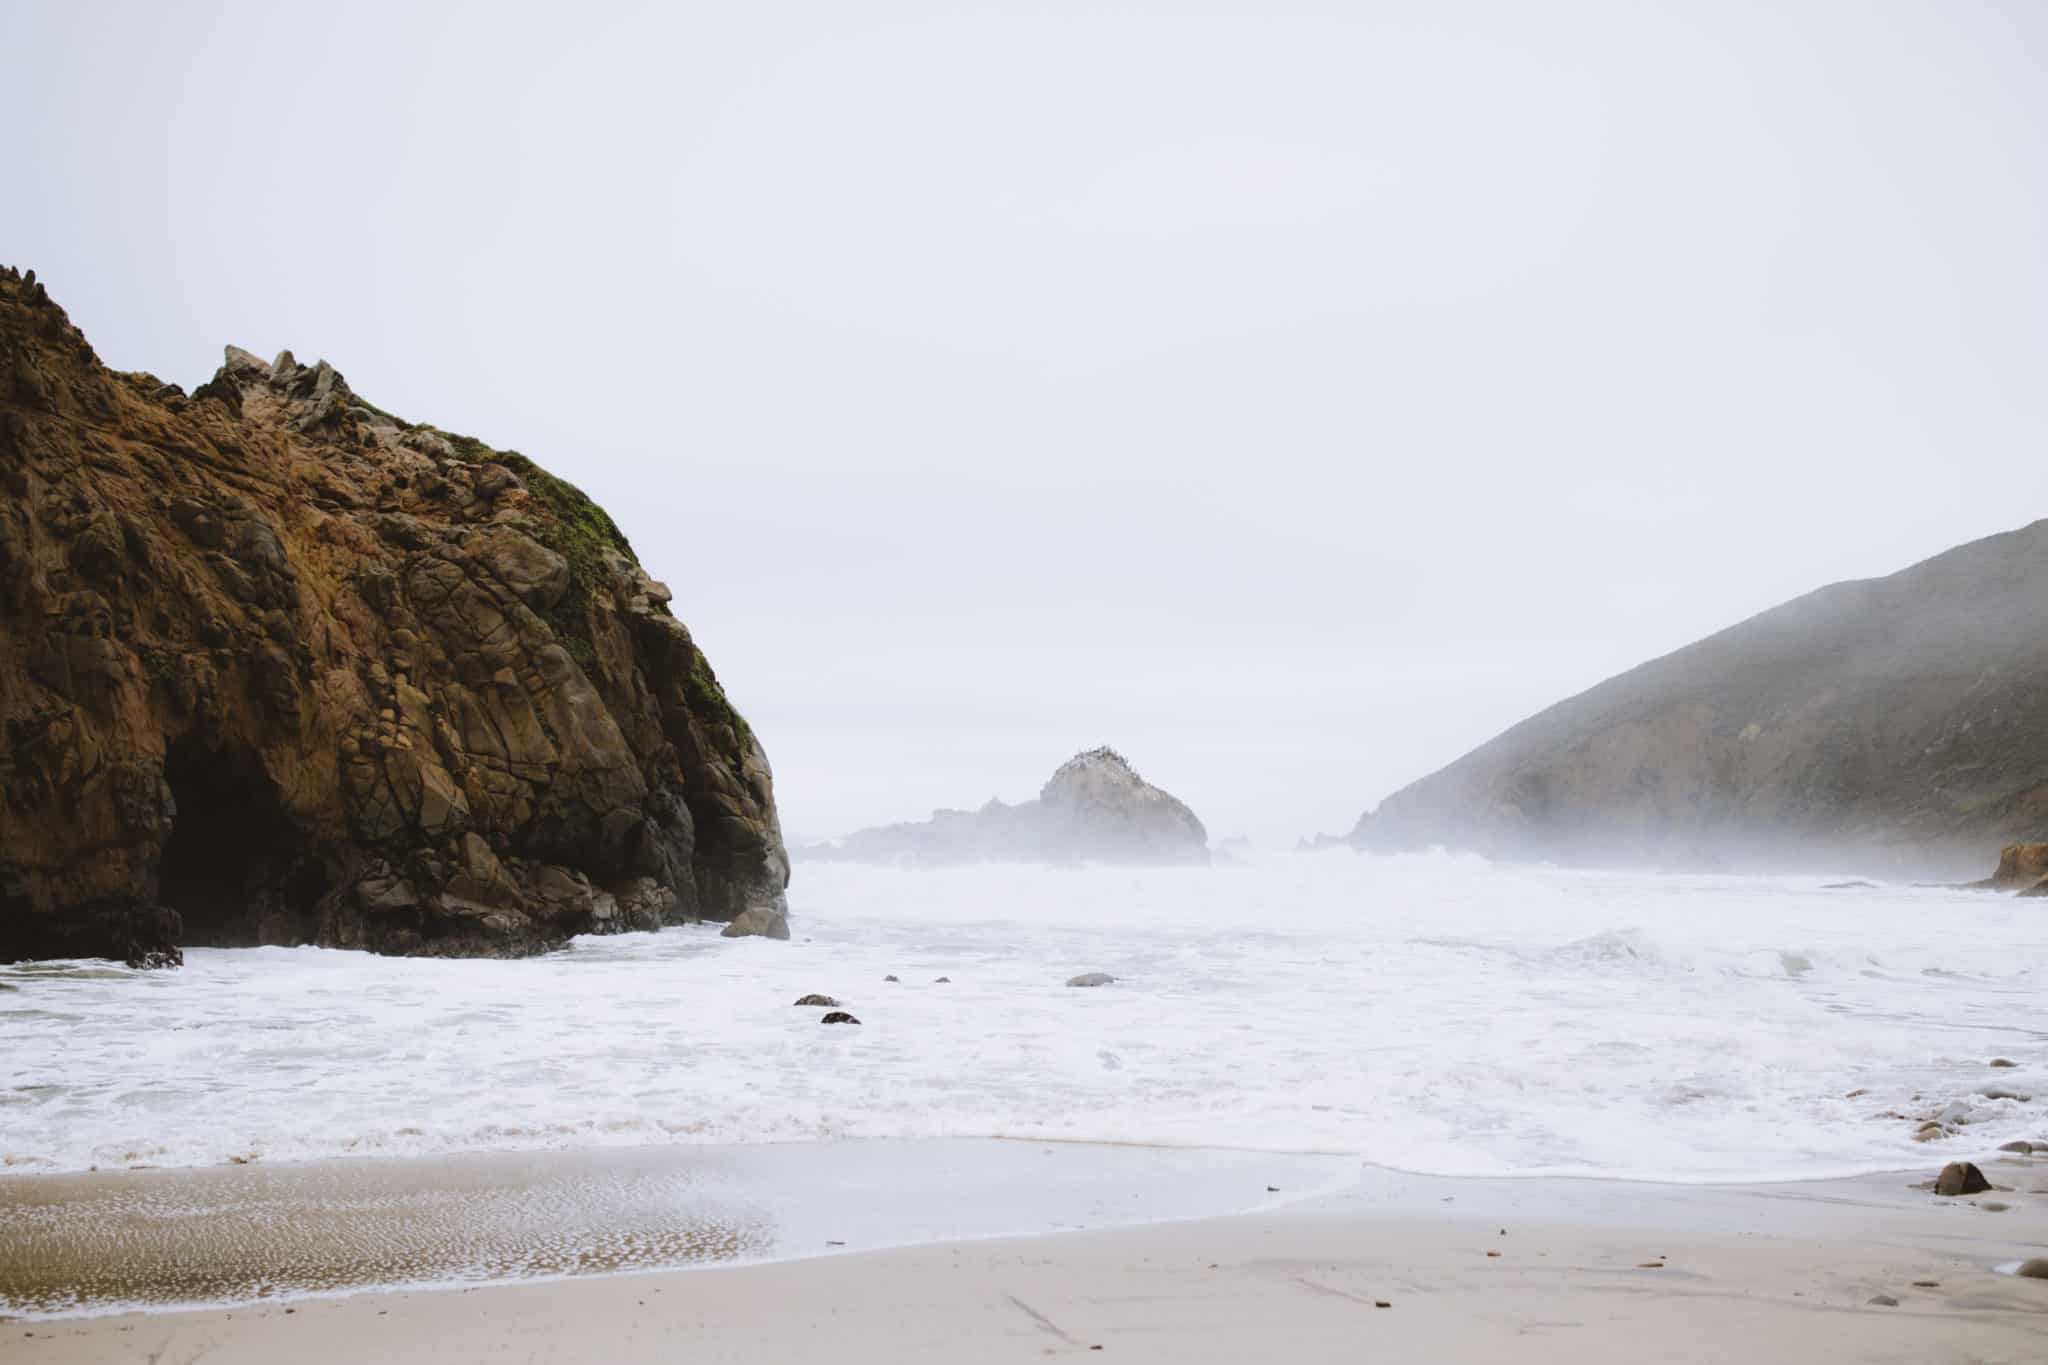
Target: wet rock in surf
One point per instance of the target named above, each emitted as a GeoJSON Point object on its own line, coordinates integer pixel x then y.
{"type": "Point", "coordinates": [2023, 1148]}
{"type": "Point", "coordinates": [760, 921]}
{"type": "Point", "coordinates": [2033, 1268]}
{"type": "Point", "coordinates": [2021, 867]}
{"type": "Point", "coordinates": [1091, 979]}
{"type": "Point", "coordinates": [2003, 1062]}
{"type": "Point", "coordinates": [1959, 1178]}
{"type": "Point", "coordinates": [825, 1000]}
{"type": "Point", "coordinates": [839, 1017]}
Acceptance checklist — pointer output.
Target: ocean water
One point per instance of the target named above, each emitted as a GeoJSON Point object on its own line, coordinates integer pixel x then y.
{"type": "Point", "coordinates": [1429, 1013]}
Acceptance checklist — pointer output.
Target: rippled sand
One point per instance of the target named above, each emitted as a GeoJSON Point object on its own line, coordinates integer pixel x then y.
{"type": "Point", "coordinates": [1396, 1268]}
{"type": "Point", "coordinates": [95, 1243]}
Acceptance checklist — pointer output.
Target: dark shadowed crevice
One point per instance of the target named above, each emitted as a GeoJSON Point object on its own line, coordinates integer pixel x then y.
{"type": "Point", "coordinates": [234, 867]}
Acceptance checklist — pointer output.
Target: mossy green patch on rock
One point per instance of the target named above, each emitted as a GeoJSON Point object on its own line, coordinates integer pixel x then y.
{"type": "Point", "coordinates": [707, 697]}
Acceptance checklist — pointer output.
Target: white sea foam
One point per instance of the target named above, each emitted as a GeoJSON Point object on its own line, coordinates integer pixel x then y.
{"type": "Point", "coordinates": [1431, 1013]}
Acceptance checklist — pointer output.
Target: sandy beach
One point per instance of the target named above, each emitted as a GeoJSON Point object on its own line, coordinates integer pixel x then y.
{"type": "Point", "coordinates": [1395, 1267]}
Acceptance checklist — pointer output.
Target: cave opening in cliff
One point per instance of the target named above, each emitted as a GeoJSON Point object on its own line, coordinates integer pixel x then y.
{"type": "Point", "coordinates": [234, 867]}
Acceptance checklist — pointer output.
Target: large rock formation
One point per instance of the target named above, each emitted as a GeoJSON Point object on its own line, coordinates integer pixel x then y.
{"type": "Point", "coordinates": [2022, 868]}
{"type": "Point", "coordinates": [277, 667]}
{"type": "Point", "coordinates": [1896, 724]}
{"type": "Point", "coordinates": [1095, 808]}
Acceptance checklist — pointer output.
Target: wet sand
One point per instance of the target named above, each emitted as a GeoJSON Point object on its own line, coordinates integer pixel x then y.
{"type": "Point", "coordinates": [1469, 1270]}
{"type": "Point", "coordinates": [257, 1233]}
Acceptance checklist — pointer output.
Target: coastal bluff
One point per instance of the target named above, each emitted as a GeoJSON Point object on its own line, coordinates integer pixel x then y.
{"type": "Point", "coordinates": [278, 667]}
{"type": "Point", "coordinates": [1895, 725]}
{"type": "Point", "coordinates": [1094, 808]}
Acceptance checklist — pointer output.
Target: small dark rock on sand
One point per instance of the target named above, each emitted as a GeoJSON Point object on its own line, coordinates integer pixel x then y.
{"type": "Point", "coordinates": [839, 1017]}
{"type": "Point", "coordinates": [942, 981]}
{"type": "Point", "coordinates": [817, 1000]}
{"type": "Point", "coordinates": [2035, 1268]}
{"type": "Point", "coordinates": [1849, 886]}
{"type": "Point", "coordinates": [1091, 979]}
{"type": "Point", "coordinates": [1960, 1177]}
{"type": "Point", "coordinates": [1884, 1301]}
{"type": "Point", "coordinates": [2003, 1062]}
{"type": "Point", "coordinates": [892, 978]}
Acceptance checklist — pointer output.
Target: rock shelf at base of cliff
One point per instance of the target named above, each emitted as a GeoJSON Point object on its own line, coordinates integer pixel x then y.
{"type": "Point", "coordinates": [277, 667]}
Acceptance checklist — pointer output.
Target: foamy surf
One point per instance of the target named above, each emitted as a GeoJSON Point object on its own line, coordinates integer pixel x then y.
{"type": "Point", "coordinates": [1428, 1013]}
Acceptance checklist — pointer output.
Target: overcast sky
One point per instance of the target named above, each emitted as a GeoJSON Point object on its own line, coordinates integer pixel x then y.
{"type": "Point", "coordinates": [1291, 395]}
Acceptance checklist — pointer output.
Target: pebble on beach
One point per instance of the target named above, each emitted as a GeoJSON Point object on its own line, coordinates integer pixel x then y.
{"type": "Point", "coordinates": [839, 1017]}
{"type": "Point", "coordinates": [1884, 1301]}
{"type": "Point", "coordinates": [2034, 1268]}
{"type": "Point", "coordinates": [818, 1000]}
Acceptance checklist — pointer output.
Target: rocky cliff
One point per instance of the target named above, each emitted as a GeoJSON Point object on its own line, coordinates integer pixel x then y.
{"type": "Point", "coordinates": [277, 667]}
{"type": "Point", "coordinates": [1895, 724]}
{"type": "Point", "coordinates": [1095, 808]}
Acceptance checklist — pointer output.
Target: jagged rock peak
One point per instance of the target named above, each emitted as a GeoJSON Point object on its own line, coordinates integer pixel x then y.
{"type": "Point", "coordinates": [1094, 808]}
{"type": "Point", "coordinates": [277, 666]}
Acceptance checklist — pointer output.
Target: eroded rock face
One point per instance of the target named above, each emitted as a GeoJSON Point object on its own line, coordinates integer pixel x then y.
{"type": "Point", "coordinates": [1095, 808]}
{"type": "Point", "coordinates": [2022, 868]}
{"type": "Point", "coordinates": [277, 667]}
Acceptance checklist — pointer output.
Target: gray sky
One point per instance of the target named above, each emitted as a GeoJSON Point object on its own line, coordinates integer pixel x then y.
{"type": "Point", "coordinates": [1291, 395]}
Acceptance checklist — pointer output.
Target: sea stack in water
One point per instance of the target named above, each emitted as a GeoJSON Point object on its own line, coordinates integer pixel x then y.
{"type": "Point", "coordinates": [278, 667]}
{"type": "Point", "coordinates": [1896, 724]}
{"type": "Point", "coordinates": [1095, 808]}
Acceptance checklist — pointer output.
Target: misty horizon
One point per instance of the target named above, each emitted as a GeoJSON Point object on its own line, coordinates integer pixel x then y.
{"type": "Point", "coordinates": [1236, 389]}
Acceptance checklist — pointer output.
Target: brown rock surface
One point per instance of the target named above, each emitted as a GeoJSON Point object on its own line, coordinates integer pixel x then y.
{"type": "Point", "coordinates": [277, 667]}
{"type": "Point", "coordinates": [2021, 867]}
{"type": "Point", "coordinates": [1959, 1178]}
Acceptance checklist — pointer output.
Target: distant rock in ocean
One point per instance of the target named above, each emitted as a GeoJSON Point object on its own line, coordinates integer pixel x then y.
{"type": "Point", "coordinates": [277, 667]}
{"type": "Point", "coordinates": [1896, 724]}
{"type": "Point", "coordinates": [1095, 808]}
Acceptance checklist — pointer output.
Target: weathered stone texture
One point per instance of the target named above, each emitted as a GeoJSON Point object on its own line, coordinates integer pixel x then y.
{"type": "Point", "coordinates": [276, 667]}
